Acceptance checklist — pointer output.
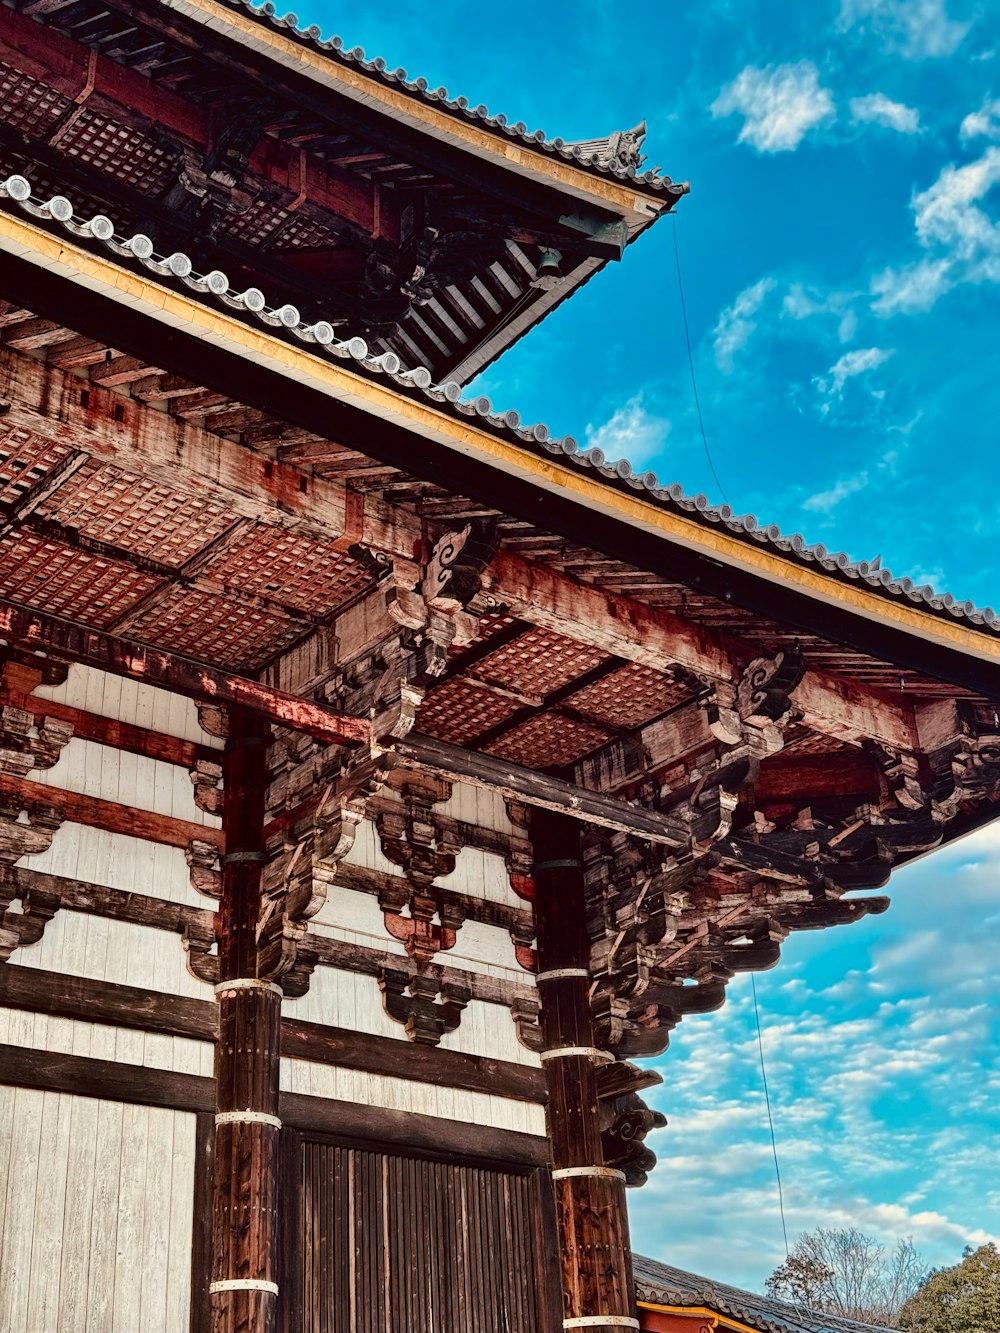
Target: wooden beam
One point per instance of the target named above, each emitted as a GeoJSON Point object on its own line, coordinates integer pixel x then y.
{"type": "Point", "coordinates": [111, 816]}
{"type": "Point", "coordinates": [114, 1081]}
{"type": "Point", "coordinates": [113, 733]}
{"type": "Point", "coordinates": [534, 788]}
{"type": "Point", "coordinates": [36, 632]}
{"type": "Point", "coordinates": [110, 1080]}
{"type": "Point", "coordinates": [65, 996]}
{"type": "Point", "coordinates": [127, 98]}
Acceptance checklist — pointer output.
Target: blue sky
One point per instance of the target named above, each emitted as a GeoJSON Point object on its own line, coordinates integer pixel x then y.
{"type": "Point", "coordinates": [841, 258]}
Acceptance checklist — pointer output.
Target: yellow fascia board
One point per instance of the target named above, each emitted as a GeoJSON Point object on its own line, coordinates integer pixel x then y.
{"type": "Point", "coordinates": [301, 366]}
{"type": "Point", "coordinates": [413, 111]}
{"type": "Point", "coordinates": [699, 1312]}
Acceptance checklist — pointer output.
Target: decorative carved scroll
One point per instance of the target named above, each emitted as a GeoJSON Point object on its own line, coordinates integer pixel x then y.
{"type": "Point", "coordinates": [526, 1015]}
{"type": "Point", "coordinates": [426, 850]}
{"type": "Point", "coordinates": [756, 710]}
{"type": "Point", "coordinates": [427, 1008]}
{"type": "Point", "coordinates": [304, 856]}
{"type": "Point", "coordinates": [23, 924]}
{"type": "Point", "coordinates": [627, 1120]}
{"type": "Point", "coordinates": [432, 601]}
{"type": "Point", "coordinates": [206, 778]}
{"type": "Point", "coordinates": [19, 838]}
{"type": "Point", "coordinates": [204, 869]}
{"type": "Point", "coordinates": [200, 950]}
{"type": "Point", "coordinates": [24, 747]}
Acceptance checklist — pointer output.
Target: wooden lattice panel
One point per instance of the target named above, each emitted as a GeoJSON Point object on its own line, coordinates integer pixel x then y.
{"type": "Point", "coordinates": [122, 152]}
{"type": "Point", "coordinates": [538, 663]}
{"type": "Point", "coordinates": [305, 233]}
{"type": "Point", "coordinates": [459, 712]}
{"type": "Point", "coordinates": [29, 106]}
{"type": "Point", "coordinates": [25, 460]}
{"type": "Point", "coordinates": [218, 630]}
{"type": "Point", "coordinates": [301, 572]}
{"type": "Point", "coordinates": [257, 224]}
{"type": "Point", "coordinates": [66, 582]}
{"type": "Point", "coordinates": [629, 697]}
{"type": "Point", "coordinates": [135, 513]}
{"type": "Point", "coordinates": [548, 740]}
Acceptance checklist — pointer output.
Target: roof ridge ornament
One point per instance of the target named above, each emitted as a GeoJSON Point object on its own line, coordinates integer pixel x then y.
{"type": "Point", "coordinates": [620, 148]}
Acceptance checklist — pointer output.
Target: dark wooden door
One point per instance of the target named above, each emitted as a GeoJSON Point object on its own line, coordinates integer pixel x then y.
{"type": "Point", "coordinates": [379, 1242]}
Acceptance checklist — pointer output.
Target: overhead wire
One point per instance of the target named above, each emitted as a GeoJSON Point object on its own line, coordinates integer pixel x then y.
{"type": "Point", "coordinates": [694, 381]}
{"type": "Point", "coordinates": [770, 1119]}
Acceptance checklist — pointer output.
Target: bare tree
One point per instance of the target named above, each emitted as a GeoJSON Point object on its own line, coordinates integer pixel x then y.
{"type": "Point", "coordinates": [847, 1273]}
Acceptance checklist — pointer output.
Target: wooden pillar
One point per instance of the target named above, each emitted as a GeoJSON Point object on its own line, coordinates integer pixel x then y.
{"type": "Point", "coordinates": [243, 1288]}
{"type": "Point", "coordinates": [595, 1257]}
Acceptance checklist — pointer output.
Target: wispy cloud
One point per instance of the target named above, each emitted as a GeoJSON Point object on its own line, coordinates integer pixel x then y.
{"type": "Point", "coordinates": [632, 431]}
{"type": "Point", "coordinates": [984, 123]}
{"type": "Point", "coordinates": [877, 109]}
{"type": "Point", "coordinates": [779, 105]}
{"type": "Point", "coordinates": [917, 28]}
{"type": "Point", "coordinates": [823, 501]}
{"type": "Point", "coordinates": [736, 324]}
{"type": "Point", "coordinates": [952, 223]}
{"type": "Point", "coordinates": [856, 362]}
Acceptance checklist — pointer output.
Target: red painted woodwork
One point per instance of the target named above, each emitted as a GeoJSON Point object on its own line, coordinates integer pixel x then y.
{"type": "Point", "coordinates": [33, 630]}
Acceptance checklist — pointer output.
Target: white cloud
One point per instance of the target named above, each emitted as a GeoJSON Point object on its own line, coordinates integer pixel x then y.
{"type": "Point", "coordinates": [984, 123]}
{"type": "Point", "coordinates": [779, 105]}
{"type": "Point", "coordinates": [736, 324]}
{"type": "Point", "coordinates": [918, 28]}
{"type": "Point", "coordinates": [631, 432]}
{"type": "Point", "coordinates": [911, 290]}
{"type": "Point", "coordinates": [950, 219]}
{"type": "Point", "coordinates": [823, 501]}
{"type": "Point", "coordinates": [851, 364]}
{"type": "Point", "coordinates": [878, 109]}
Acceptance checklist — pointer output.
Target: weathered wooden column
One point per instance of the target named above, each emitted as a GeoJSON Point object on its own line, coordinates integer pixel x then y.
{"type": "Point", "coordinates": [595, 1257]}
{"type": "Point", "coordinates": [244, 1205]}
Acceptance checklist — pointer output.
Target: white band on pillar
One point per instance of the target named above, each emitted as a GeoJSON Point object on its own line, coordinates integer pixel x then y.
{"type": "Point", "coordinates": [602, 1321]}
{"type": "Point", "coordinates": [567, 1172]}
{"type": "Point", "coordinates": [247, 1118]}
{"type": "Point", "coordinates": [557, 973]}
{"type": "Point", "coordinates": [565, 1052]}
{"type": "Point", "coordinates": [247, 983]}
{"type": "Point", "coordinates": [245, 1284]}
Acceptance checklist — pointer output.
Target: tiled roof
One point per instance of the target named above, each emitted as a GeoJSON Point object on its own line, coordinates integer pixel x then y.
{"type": "Point", "coordinates": [596, 155]}
{"type": "Point", "coordinates": [319, 337]}
{"type": "Point", "coordinates": [660, 1284]}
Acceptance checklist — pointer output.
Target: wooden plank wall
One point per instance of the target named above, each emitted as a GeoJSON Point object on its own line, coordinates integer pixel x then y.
{"type": "Point", "coordinates": [96, 1212]}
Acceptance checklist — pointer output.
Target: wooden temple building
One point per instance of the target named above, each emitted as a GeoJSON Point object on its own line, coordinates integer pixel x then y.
{"type": "Point", "coordinates": [381, 777]}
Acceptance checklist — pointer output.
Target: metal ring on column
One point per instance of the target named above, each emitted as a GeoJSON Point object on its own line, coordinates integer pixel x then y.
{"type": "Point", "coordinates": [247, 1118]}
{"type": "Point", "coordinates": [567, 864]}
{"type": "Point", "coordinates": [567, 1172]}
{"type": "Point", "coordinates": [566, 1052]}
{"type": "Point", "coordinates": [558, 973]}
{"type": "Point", "coordinates": [245, 1284]}
{"type": "Point", "coordinates": [247, 983]}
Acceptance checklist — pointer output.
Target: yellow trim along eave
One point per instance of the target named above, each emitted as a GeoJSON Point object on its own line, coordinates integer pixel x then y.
{"type": "Point", "coordinates": [300, 366]}
{"type": "Point", "coordinates": [521, 158]}
{"type": "Point", "coordinates": [699, 1312]}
